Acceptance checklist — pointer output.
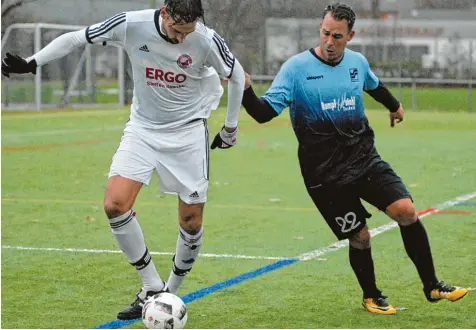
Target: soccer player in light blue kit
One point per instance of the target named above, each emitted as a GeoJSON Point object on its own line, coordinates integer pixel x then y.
{"type": "Point", "coordinates": [339, 163]}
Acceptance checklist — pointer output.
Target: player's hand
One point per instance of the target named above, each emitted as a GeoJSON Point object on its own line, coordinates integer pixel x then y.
{"type": "Point", "coordinates": [397, 116]}
{"type": "Point", "coordinates": [225, 139]}
{"type": "Point", "coordinates": [247, 80]}
{"type": "Point", "coordinates": [17, 64]}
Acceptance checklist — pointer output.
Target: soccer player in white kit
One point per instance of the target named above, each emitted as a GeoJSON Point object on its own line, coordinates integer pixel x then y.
{"type": "Point", "coordinates": [177, 64]}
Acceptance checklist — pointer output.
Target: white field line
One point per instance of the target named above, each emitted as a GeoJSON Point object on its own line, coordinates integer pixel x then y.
{"type": "Point", "coordinates": [312, 255]}
{"type": "Point", "coordinates": [206, 255]}
{"type": "Point", "coordinates": [381, 229]}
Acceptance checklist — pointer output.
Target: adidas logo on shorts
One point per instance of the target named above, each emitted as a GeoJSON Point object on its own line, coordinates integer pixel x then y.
{"type": "Point", "coordinates": [194, 195]}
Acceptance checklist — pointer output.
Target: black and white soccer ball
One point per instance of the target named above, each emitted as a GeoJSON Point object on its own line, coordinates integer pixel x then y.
{"type": "Point", "coordinates": [164, 311]}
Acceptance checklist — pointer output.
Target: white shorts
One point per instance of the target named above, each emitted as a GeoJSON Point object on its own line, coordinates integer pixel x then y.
{"type": "Point", "coordinates": [180, 158]}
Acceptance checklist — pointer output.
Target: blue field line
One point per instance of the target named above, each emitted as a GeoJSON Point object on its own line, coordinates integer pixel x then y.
{"type": "Point", "coordinates": [200, 293]}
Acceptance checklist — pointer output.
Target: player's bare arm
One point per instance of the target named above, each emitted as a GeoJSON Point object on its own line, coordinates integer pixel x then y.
{"type": "Point", "coordinates": [382, 95]}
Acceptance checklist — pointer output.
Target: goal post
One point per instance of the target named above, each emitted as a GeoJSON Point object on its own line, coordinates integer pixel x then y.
{"type": "Point", "coordinates": [91, 76]}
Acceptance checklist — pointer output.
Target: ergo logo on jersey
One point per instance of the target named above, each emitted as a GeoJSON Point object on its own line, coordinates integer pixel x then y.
{"type": "Point", "coordinates": [168, 76]}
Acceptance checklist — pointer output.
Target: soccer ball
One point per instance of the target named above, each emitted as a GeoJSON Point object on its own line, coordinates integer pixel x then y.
{"type": "Point", "coordinates": [164, 311]}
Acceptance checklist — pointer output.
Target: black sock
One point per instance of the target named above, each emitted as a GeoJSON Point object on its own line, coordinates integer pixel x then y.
{"type": "Point", "coordinates": [418, 249]}
{"type": "Point", "coordinates": [363, 266]}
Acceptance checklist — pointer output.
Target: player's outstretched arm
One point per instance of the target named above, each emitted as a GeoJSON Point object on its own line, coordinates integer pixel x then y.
{"type": "Point", "coordinates": [112, 29]}
{"type": "Point", "coordinates": [382, 95]}
{"type": "Point", "coordinates": [58, 48]}
{"type": "Point", "coordinates": [256, 107]}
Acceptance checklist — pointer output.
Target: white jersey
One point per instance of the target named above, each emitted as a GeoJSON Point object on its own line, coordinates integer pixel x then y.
{"type": "Point", "coordinates": [173, 83]}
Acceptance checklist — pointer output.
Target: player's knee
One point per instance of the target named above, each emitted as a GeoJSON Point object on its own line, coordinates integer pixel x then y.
{"type": "Point", "coordinates": [190, 217]}
{"type": "Point", "coordinates": [361, 239]}
{"type": "Point", "coordinates": [402, 211]}
{"type": "Point", "coordinates": [114, 208]}
{"type": "Point", "coordinates": [191, 222]}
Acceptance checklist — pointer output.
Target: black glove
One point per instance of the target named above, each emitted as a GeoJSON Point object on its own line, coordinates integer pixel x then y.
{"type": "Point", "coordinates": [16, 64]}
{"type": "Point", "coordinates": [224, 140]}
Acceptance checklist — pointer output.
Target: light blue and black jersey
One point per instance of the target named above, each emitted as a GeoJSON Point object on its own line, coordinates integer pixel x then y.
{"type": "Point", "coordinates": [323, 100]}
{"type": "Point", "coordinates": [336, 143]}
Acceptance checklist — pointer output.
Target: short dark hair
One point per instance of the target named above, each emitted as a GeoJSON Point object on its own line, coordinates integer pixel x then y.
{"type": "Point", "coordinates": [184, 11]}
{"type": "Point", "coordinates": [339, 12]}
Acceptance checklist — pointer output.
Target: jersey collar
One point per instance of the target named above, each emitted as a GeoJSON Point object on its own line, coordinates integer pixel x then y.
{"type": "Point", "coordinates": [158, 21]}
{"type": "Point", "coordinates": [313, 52]}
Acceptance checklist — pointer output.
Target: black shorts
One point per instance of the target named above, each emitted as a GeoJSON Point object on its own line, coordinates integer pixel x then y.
{"type": "Point", "coordinates": [341, 205]}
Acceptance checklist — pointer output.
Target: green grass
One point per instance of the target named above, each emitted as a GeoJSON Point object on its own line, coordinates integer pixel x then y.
{"type": "Point", "coordinates": [24, 92]}
{"type": "Point", "coordinates": [54, 170]}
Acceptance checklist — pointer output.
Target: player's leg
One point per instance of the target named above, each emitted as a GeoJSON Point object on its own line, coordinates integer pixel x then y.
{"type": "Point", "coordinates": [360, 257]}
{"type": "Point", "coordinates": [189, 243]}
{"type": "Point", "coordinates": [384, 189]}
{"type": "Point", "coordinates": [346, 216]}
{"type": "Point", "coordinates": [183, 171]}
{"type": "Point", "coordinates": [130, 169]}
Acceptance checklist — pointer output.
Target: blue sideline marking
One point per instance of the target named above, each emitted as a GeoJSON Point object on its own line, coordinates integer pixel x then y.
{"type": "Point", "coordinates": [200, 293]}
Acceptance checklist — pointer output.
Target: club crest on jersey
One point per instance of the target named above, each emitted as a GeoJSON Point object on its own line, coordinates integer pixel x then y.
{"type": "Point", "coordinates": [354, 75]}
{"type": "Point", "coordinates": [184, 61]}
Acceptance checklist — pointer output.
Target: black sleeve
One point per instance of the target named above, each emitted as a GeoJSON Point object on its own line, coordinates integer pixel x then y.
{"type": "Point", "coordinates": [382, 95]}
{"type": "Point", "coordinates": [259, 109]}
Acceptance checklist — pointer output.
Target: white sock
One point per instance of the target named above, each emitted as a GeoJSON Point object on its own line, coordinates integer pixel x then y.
{"type": "Point", "coordinates": [128, 234]}
{"type": "Point", "coordinates": [188, 248]}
